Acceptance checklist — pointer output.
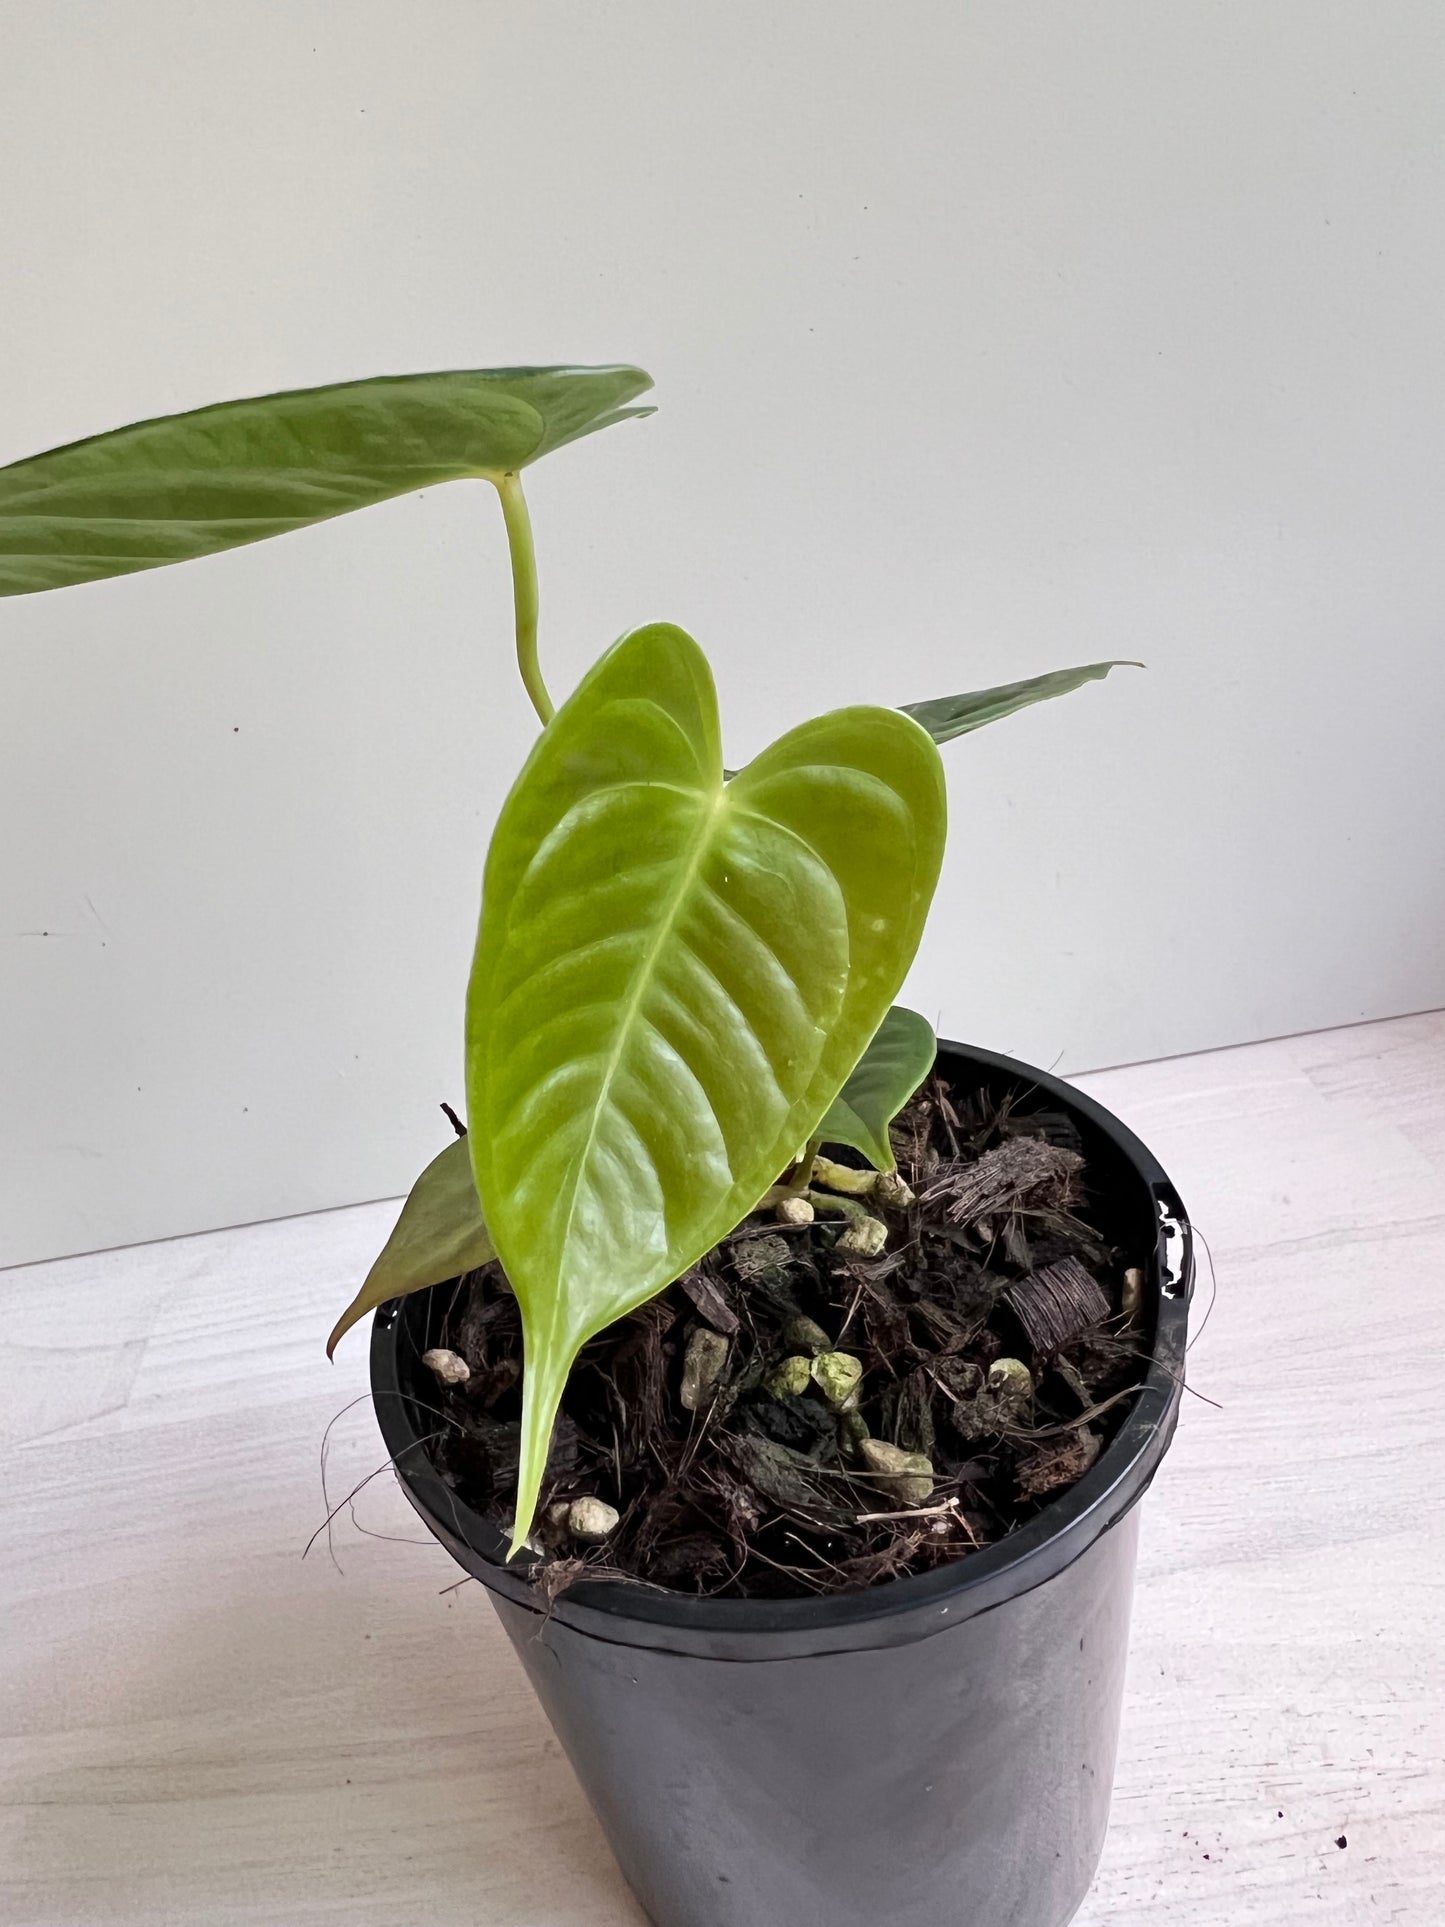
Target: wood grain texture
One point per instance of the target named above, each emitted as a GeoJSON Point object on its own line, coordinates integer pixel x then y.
{"type": "Point", "coordinates": [196, 1724]}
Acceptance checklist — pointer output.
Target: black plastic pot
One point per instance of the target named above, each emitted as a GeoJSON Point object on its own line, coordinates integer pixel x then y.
{"type": "Point", "coordinates": [931, 1752]}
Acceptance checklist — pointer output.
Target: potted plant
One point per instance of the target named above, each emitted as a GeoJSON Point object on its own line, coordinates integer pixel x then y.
{"type": "Point", "coordinates": [787, 1378]}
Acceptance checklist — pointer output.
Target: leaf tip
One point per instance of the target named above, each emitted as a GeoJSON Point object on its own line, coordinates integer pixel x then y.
{"type": "Point", "coordinates": [339, 1330]}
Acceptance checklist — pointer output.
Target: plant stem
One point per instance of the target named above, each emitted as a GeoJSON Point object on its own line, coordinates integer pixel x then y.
{"type": "Point", "coordinates": [883, 1187]}
{"type": "Point", "coordinates": [842, 1177]}
{"type": "Point", "coordinates": [798, 1183]}
{"type": "Point", "coordinates": [849, 1208]}
{"type": "Point", "coordinates": [524, 590]}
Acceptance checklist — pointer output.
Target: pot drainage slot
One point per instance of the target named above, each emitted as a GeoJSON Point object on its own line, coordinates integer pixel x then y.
{"type": "Point", "coordinates": [1176, 1246]}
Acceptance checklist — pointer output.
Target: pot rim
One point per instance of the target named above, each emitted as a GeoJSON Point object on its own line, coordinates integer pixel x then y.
{"type": "Point", "coordinates": [894, 1611]}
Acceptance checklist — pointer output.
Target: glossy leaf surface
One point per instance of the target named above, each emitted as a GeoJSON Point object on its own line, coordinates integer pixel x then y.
{"type": "Point", "coordinates": [950, 716]}
{"type": "Point", "coordinates": [190, 485]}
{"type": "Point", "coordinates": [881, 1082]}
{"type": "Point", "coordinates": [440, 1234]}
{"type": "Point", "coordinates": [673, 977]}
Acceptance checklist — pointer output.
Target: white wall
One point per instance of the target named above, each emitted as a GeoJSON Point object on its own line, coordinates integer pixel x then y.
{"type": "Point", "coordinates": [987, 339]}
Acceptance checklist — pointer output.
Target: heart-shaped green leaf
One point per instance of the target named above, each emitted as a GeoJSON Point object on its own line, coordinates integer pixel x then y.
{"type": "Point", "coordinates": [189, 485]}
{"type": "Point", "coordinates": [673, 977]}
{"type": "Point", "coordinates": [879, 1085]}
{"type": "Point", "coordinates": [950, 716]}
{"type": "Point", "coordinates": [440, 1234]}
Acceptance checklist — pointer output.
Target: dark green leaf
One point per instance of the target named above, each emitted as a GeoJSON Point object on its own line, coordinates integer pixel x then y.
{"type": "Point", "coordinates": [950, 716]}
{"type": "Point", "coordinates": [673, 977]}
{"type": "Point", "coordinates": [439, 1235]}
{"type": "Point", "coordinates": [880, 1084]}
{"type": "Point", "coordinates": [190, 485]}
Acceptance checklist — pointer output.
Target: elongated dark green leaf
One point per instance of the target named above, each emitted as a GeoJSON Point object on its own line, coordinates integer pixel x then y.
{"type": "Point", "coordinates": [950, 716]}
{"type": "Point", "coordinates": [440, 1234]}
{"type": "Point", "coordinates": [673, 977]}
{"type": "Point", "coordinates": [879, 1085]}
{"type": "Point", "coordinates": [189, 485]}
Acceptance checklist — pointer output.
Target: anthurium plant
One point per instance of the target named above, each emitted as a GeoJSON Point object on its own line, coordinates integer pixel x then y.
{"type": "Point", "coordinates": [684, 975]}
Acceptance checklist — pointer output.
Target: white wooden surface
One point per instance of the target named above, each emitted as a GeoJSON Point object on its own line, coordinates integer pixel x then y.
{"type": "Point", "coordinates": [199, 1726]}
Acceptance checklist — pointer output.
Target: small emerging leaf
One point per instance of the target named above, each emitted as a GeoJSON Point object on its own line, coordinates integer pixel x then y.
{"type": "Point", "coordinates": [189, 485]}
{"type": "Point", "coordinates": [885, 1077]}
{"type": "Point", "coordinates": [439, 1235]}
{"type": "Point", "coordinates": [673, 977]}
{"type": "Point", "coordinates": [950, 716]}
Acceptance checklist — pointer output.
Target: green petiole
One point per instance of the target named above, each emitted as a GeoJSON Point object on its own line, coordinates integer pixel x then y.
{"type": "Point", "coordinates": [524, 590]}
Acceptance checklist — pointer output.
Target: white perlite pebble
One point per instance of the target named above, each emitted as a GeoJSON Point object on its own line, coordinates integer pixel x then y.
{"type": "Point", "coordinates": [836, 1375]}
{"type": "Point", "coordinates": [863, 1237]}
{"type": "Point", "coordinates": [591, 1518]}
{"type": "Point", "coordinates": [1133, 1293]}
{"type": "Point", "coordinates": [790, 1377]}
{"type": "Point", "coordinates": [907, 1477]}
{"type": "Point", "coordinates": [449, 1368]}
{"type": "Point", "coordinates": [703, 1361]}
{"type": "Point", "coordinates": [1010, 1381]}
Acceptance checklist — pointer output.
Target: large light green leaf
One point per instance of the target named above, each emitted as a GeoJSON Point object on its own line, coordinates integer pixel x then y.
{"type": "Point", "coordinates": [673, 977]}
{"type": "Point", "coordinates": [949, 716]}
{"type": "Point", "coordinates": [189, 485]}
{"type": "Point", "coordinates": [440, 1234]}
{"type": "Point", "coordinates": [879, 1085]}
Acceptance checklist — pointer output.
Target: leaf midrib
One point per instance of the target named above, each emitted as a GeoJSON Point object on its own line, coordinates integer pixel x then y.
{"type": "Point", "coordinates": [666, 926]}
